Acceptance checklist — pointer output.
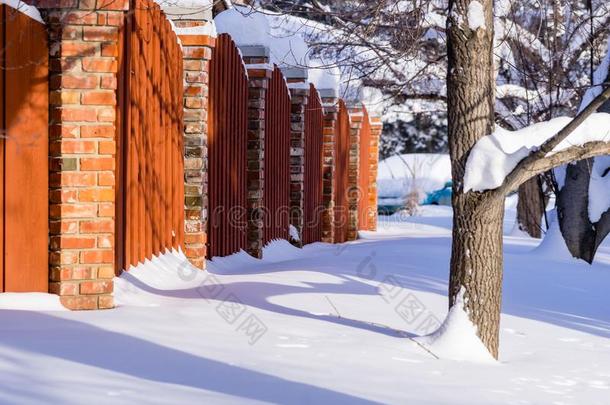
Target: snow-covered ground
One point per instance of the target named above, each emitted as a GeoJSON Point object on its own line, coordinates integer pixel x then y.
{"type": "Point", "coordinates": [326, 324]}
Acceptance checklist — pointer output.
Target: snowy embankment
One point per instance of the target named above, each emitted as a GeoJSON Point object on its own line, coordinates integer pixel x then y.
{"type": "Point", "coordinates": [399, 175]}
{"type": "Point", "coordinates": [326, 324]}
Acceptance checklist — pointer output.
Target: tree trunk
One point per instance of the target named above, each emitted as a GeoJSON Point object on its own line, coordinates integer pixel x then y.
{"type": "Point", "coordinates": [530, 208]}
{"type": "Point", "coordinates": [476, 256]}
{"type": "Point", "coordinates": [476, 262]}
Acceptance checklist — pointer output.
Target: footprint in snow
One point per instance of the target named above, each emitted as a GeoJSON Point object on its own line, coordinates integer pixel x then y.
{"type": "Point", "coordinates": [600, 385]}
{"type": "Point", "coordinates": [563, 381]}
{"type": "Point", "coordinates": [514, 332]}
{"type": "Point", "coordinates": [406, 360]}
{"type": "Point", "coordinates": [292, 346]}
{"type": "Point", "coordinates": [569, 340]}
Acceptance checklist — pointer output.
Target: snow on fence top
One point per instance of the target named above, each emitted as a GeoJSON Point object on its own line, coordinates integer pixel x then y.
{"type": "Point", "coordinates": [494, 156]}
{"type": "Point", "coordinates": [26, 9]}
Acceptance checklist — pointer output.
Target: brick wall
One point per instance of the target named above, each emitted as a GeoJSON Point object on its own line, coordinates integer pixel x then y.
{"type": "Point", "coordinates": [256, 59]}
{"type": "Point", "coordinates": [356, 117]}
{"type": "Point", "coordinates": [376, 128]}
{"type": "Point", "coordinates": [82, 76]}
{"type": "Point", "coordinates": [197, 51]}
{"type": "Point", "coordinates": [299, 94]}
{"type": "Point", "coordinates": [330, 103]}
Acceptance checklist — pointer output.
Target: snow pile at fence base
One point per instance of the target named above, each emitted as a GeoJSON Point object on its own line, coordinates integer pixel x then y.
{"type": "Point", "coordinates": [31, 302]}
{"type": "Point", "coordinates": [457, 339]}
{"type": "Point", "coordinates": [170, 271]}
{"type": "Point", "coordinates": [399, 174]}
{"type": "Point", "coordinates": [494, 156]}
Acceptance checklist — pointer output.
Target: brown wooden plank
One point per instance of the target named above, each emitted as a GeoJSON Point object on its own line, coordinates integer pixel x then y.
{"type": "Point", "coordinates": [122, 253]}
{"type": "Point", "coordinates": [180, 140]}
{"type": "Point", "coordinates": [2, 132]}
{"type": "Point", "coordinates": [227, 143]}
{"type": "Point", "coordinates": [276, 192]}
{"type": "Point", "coordinates": [140, 235]}
{"type": "Point", "coordinates": [164, 126]}
{"type": "Point", "coordinates": [156, 194]}
{"type": "Point", "coordinates": [312, 223]}
{"type": "Point", "coordinates": [26, 155]}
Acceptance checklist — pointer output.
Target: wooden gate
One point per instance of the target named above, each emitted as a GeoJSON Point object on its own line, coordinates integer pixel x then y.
{"type": "Point", "coordinates": [313, 204]}
{"type": "Point", "coordinates": [227, 143]}
{"type": "Point", "coordinates": [341, 173]}
{"type": "Point", "coordinates": [24, 153]}
{"type": "Point", "coordinates": [276, 195]}
{"type": "Point", "coordinates": [150, 200]}
{"type": "Point", "coordinates": [364, 173]}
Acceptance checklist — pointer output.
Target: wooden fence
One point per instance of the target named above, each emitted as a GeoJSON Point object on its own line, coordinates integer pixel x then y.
{"type": "Point", "coordinates": [313, 202]}
{"type": "Point", "coordinates": [24, 153]}
{"type": "Point", "coordinates": [276, 195]}
{"type": "Point", "coordinates": [364, 173]}
{"type": "Point", "coordinates": [227, 143]}
{"type": "Point", "coordinates": [341, 173]}
{"type": "Point", "coordinates": [150, 192]}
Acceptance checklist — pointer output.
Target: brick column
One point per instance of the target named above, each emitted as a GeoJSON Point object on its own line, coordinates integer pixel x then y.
{"type": "Point", "coordinates": [356, 116]}
{"type": "Point", "coordinates": [82, 75]}
{"type": "Point", "coordinates": [376, 129]}
{"type": "Point", "coordinates": [299, 95]}
{"type": "Point", "coordinates": [256, 59]}
{"type": "Point", "coordinates": [330, 102]}
{"type": "Point", "coordinates": [197, 52]}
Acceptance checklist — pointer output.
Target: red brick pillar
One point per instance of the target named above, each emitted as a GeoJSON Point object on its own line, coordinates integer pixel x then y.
{"type": "Point", "coordinates": [376, 129]}
{"type": "Point", "coordinates": [356, 116]}
{"type": "Point", "coordinates": [197, 52]}
{"type": "Point", "coordinates": [256, 59]}
{"type": "Point", "coordinates": [83, 64]}
{"type": "Point", "coordinates": [299, 95]}
{"type": "Point", "coordinates": [330, 102]}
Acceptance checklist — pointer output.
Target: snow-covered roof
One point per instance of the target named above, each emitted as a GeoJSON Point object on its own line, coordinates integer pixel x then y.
{"type": "Point", "coordinates": [290, 51]}
{"type": "Point", "coordinates": [246, 26]}
{"type": "Point", "coordinates": [284, 37]}
{"type": "Point", "coordinates": [191, 9]}
{"type": "Point", "coordinates": [323, 76]}
{"type": "Point", "coordinates": [24, 8]}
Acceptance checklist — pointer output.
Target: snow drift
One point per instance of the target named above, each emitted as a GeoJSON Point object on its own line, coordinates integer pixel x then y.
{"type": "Point", "coordinates": [398, 175]}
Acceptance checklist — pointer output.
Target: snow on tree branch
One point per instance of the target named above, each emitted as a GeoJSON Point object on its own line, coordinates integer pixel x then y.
{"type": "Point", "coordinates": [505, 159]}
